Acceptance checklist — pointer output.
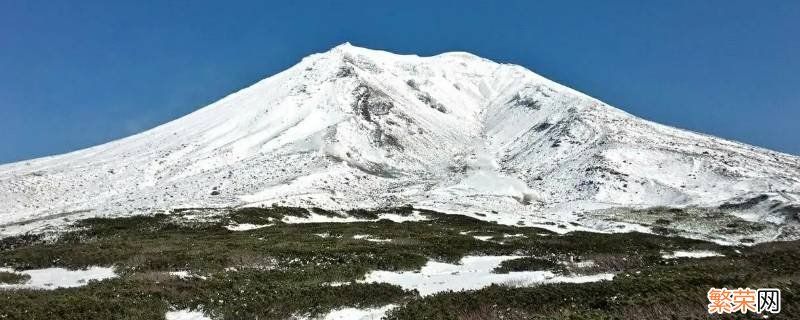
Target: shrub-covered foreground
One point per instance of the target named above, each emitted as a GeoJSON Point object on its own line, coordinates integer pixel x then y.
{"type": "Point", "coordinates": [283, 270]}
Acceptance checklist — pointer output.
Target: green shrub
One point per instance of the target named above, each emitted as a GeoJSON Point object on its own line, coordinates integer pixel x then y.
{"type": "Point", "coordinates": [13, 278]}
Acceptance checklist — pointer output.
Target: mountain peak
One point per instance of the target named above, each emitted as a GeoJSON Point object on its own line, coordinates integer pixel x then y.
{"type": "Point", "coordinates": [348, 48]}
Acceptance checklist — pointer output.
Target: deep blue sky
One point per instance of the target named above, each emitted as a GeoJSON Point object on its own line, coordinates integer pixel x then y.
{"type": "Point", "coordinates": [78, 73]}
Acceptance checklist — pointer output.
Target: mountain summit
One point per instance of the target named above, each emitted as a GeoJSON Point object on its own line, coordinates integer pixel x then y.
{"type": "Point", "coordinates": [360, 128]}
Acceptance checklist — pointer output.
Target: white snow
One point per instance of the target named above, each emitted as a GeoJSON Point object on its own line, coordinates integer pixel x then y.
{"type": "Point", "coordinates": [186, 275]}
{"type": "Point", "coordinates": [473, 272]}
{"type": "Point", "coordinates": [416, 216]}
{"type": "Point", "coordinates": [53, 278]}
{"type": "Point", "coordinates": [691, 254]}
{"type": "Point", "coordinates": [583, 264]}
{"type": "Point", "coordinates": [246, 226]}
{"type": "Point", "coordinates": [318, 218]}
{"type": "Point", "coordinates": [481, 238]}
{"type": "Point", "coordinates": [549, 278]}
{"type": "Point", "coordinates": [335, 284]}
{"type": "Point", "coordinates": [180, 274]}
{"type": "Point", "coordinates": [358, 314]}
{"type": "Point", "coordinates": [186, 314]}
{"type": "Point", "coordinates": [359, 128]}
{"type": "Point", "coordinates": [369, 238]}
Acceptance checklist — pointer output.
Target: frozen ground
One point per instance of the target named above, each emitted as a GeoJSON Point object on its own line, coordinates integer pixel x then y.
{"type": "Point", "coordinates": [360, 128]}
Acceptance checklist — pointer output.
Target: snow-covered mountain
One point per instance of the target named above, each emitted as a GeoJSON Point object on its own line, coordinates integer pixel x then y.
{"type": "Point", "coordinates": [354, 127]}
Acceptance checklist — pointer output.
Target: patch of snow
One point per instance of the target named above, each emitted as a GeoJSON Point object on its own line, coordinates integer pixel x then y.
{"type": "Point", "coordinates": [473, 272]}
{"type": "Point", "coordinates": [318, 218]}
{"type": "Point", "coordinates": [246, 226]}
{"type": "Point", "coordinates": [186, 314]}
{"type": "Point", "coordinates": [185, 275]}
{"type": "Point", "coordinates": [584, 264]}
{"type": "Point", "coordinates": [481, 238]}
{"type": "Point", "coordinates": [561, 279]}
{"type": "Point", "coordinates": [180, 274]}
{"type": "Point", "coordinates": [358, 314]}
{"type": "Point", "coordinates": [53, 278]}
{"type": "Point", "coordinates": [416, 216]}
{"type": "Point", "coordinates": [369, 238]}
{"type": "Point", "coordinates": [335, 284]}
{"type": "Point", "coordinates": [691, 254]}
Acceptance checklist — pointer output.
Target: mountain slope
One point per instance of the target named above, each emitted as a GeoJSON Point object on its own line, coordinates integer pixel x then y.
{"type": "Point", "coordinates": [355, 127]}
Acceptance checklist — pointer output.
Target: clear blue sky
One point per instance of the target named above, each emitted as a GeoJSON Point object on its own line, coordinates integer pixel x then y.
{"type": "Point", "coordinates": [79, 73]}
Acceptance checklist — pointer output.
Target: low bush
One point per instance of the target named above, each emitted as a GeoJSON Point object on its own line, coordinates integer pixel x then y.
{"type": "Point", "coordinates": [13, 278]}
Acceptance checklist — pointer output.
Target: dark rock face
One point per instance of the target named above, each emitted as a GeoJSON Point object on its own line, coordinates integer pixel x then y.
{"type": "Point", "coordinates": [744, 205]}
{"type": "Point", "coordinates": [526, 102]}
{"type": "Point", "coordinates": [346, 71]}
{"type": "Point", "coordinates": [791, 212]}
{"type": "Point", "coordinates": [371, 102]}
{"type": "Point", "coordinates": [542, 126]}
{"type": "Point", "coordinates": [427, 99]}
